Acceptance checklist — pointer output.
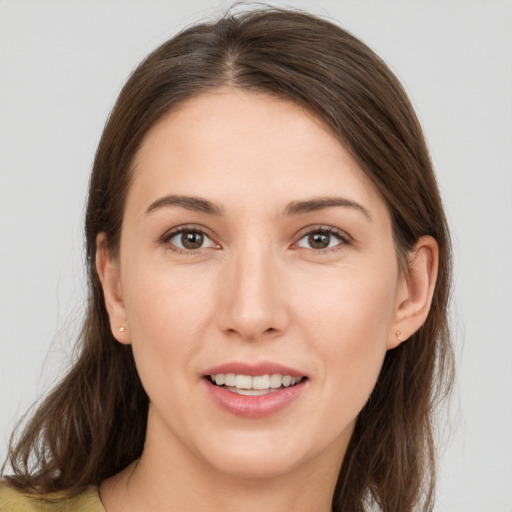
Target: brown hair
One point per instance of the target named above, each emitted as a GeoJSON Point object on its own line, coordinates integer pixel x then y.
{"type": "Point", "coordinates": [93, 423]}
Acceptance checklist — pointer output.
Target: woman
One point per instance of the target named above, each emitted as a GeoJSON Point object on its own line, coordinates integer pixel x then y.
{"type": "Point", "coordinates": [269, 270]}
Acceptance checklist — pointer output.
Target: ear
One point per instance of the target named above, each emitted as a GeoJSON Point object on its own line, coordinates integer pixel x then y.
{"type": "Point", "coordinates": [415, 291]}
{"type": "Point", "coordinates": [109, 274]}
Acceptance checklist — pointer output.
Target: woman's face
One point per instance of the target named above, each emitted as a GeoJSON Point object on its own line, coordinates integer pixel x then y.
{"type": "Point", "coordinates": [253, 248]}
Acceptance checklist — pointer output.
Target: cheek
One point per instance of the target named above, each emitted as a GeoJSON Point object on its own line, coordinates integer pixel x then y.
{"type": "Point", "coordinates": [352, 303]}
{"type": "Point", "coordinates": [349, 327]}
{"type": "Point", "coordinates": [168, 313]}
{"type": "Point", "coordinates": [161, 296]}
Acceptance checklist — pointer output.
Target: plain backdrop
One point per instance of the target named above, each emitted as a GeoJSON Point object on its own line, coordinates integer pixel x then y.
{"type": "Point", "coordinates": [62, 63]}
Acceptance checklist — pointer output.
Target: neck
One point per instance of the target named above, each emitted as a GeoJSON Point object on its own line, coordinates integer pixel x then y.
{"type": "Point", "coordinates": [168, 477]}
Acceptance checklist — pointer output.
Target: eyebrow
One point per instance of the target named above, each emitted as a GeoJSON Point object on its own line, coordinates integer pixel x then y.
{"type": "Point", "coordinates": [198, 204]}
{"type": "Point", "coordinates": [195, 204]}
{"type": "Point", "coordinates": [315, 204]}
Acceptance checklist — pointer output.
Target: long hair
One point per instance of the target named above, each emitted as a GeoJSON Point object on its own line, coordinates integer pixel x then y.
{"type": "Point", "coordinates": [93, 423]}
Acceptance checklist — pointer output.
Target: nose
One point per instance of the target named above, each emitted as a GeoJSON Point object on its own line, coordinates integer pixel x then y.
{"type": "Point", "coordinates": [253, 303]}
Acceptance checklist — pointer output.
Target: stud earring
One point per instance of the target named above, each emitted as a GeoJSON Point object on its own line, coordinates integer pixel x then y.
{"type": "Point", "coordinates": [122, 329]}
{"type": "Point", "coordinates": [399, 335]}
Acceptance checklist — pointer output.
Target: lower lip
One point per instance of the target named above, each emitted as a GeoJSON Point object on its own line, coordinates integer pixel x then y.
{"type": "Point", "coordinates": [254, 407]}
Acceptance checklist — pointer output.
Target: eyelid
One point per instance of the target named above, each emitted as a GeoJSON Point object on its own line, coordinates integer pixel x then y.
{"type": "Point", "coordinates": [166, 237]}
{"type": "Point", "coordinates": [343, 237]}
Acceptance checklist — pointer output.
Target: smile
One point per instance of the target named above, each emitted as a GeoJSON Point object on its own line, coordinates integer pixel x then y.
{"type": "Point", "coordinates": [253, 385]}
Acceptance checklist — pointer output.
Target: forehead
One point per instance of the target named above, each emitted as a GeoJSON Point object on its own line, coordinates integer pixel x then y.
{"type": "Point", "coordinates": [236, 146]}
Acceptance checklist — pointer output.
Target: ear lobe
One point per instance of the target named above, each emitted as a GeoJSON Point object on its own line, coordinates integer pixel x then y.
{"type": "Point", "coordinates": [109, 274]}
{"type": "Point", "coordinates": [415, 291]}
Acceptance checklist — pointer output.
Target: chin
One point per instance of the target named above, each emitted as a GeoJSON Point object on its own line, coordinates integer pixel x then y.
{"type": "Point", "coordinates": [261, 455]}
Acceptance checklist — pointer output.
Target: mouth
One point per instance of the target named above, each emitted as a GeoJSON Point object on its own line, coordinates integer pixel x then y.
{"type": "Point", "coordinates": [254, 385]}
{"type": "Point", "coordinates": [254, 390]}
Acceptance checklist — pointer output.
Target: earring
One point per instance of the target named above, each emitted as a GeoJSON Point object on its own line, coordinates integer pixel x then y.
{"type": "Point", "coordinates": [122, 329]}
{"type": "Point", "coordinates": [399, 335]}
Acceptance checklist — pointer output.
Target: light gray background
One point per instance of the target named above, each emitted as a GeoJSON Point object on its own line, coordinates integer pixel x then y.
{"type": "Point", "coordinates": [62, 64]}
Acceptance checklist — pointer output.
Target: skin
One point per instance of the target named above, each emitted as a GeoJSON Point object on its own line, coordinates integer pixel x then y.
{"type": "Point", "coordinates": [255, 290]}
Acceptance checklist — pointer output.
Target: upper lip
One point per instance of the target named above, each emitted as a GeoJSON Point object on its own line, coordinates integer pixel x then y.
{"type": "Point", "coordinates": [254, 369]}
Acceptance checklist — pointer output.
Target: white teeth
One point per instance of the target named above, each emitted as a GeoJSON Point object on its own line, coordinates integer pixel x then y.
{"type": "Point", "coordinates": [243, 382]}
{"type": "Point", "coordinates": [276, 380]}
{"type": "Point", "coordinates": [257, 383]}
{"type": "Point", "coordinates": [261, 382]}
{"type": "Point", "coordinates": [229, 379]}
{"type": "Point", "coordinates": [250, 392]}
{"type": "Point", "coordinates": [287, 380]}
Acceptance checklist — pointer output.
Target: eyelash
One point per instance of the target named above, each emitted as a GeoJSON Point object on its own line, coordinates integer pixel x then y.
{"type": "Point", "coordinates": [166, 239]}
{"type": "Point", "coordinates": [342, 238]}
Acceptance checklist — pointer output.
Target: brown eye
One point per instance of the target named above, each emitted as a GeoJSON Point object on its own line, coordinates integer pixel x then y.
{"type": "Point", "coordinates": [189, 240]}
{"type": "Point", "coordinates": [192, 240]}
{"type": "Point", "coordinates": [318, 240]}
{"type": "Point", "coordinates": [322, 238]}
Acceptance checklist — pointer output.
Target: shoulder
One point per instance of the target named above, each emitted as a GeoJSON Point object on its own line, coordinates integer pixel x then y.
{"type": "Point", "coordinates": [13, 500]}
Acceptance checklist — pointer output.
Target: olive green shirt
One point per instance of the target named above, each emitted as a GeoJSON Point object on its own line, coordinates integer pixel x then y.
{"type": "Point", "coordinates": [12, 500]}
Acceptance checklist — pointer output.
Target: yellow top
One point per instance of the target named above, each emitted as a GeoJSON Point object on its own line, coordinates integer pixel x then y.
{"type": "Point", "coordinates": [12, 500]}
